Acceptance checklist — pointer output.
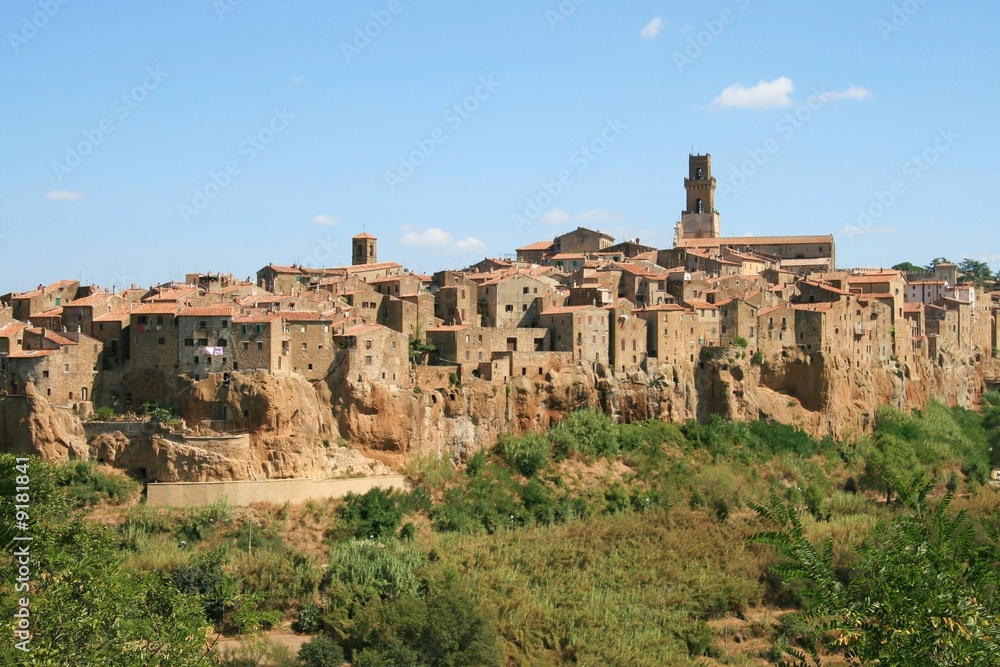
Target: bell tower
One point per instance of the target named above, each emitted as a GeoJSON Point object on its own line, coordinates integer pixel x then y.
{"type": "Point", "coordinates": [364, 249]}
{"type": "Point", "coordinates": [700, 220]}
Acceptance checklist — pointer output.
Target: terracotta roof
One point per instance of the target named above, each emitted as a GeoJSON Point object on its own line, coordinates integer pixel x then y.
{"type": "Point", "coordinates": [360, 268]}
{"type": "Point", "coordinates": [912, 307]}
{"type": "Point", "coordinates": [55, 312]}
{"type": "Point", "coordinates": [826, 287]}
{"type": "Point", "coordinates": [12, 329]}
{"type": "Point", "coordinates": [283, 269]}
{"type": "Point", "coordinates": [162, 308]}
{"type": "Point", "coordinates": [450, 327]}
{"type": "Point", "coordinates": [171, 294]}
{"type": "Point", "coordinates": [866, 279]}
{"type": "Point", "coordinates": [92, 300]}
{"type": "Point", "coordinates": [538, 245]}
{"type": "Point", "coordinates": [207, 311]}
{"type": "Point", "coordinates": [54, 286]}
{"type": "Point", "coordinates": [753, 240]}
{"type": "Point", "coordinates": [567, 255]}
{"type": "Point", "coordinates": [301, 315]}
{"type": "Point", "coordinates": [120, 315]}
{"type": "Point", "coordinates": [362, 329]}
{"type": "Point", "coordinates": [822, 306]}
{"type": "Point", "coordinates": [563, 310]}
{"type": "Point", "coordinates": [255, 318]}
{"type": "Point", "coordinates": [664, 307]}
{"type": "Point", "coordinates": [364, 235]}
{"type": "Point", "coordinates": [29, 354]}
{"type": "Point", "coordinates": [52, 336]}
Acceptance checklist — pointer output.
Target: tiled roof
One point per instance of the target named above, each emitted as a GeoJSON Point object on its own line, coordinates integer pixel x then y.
{"type": "Point", "coordinates": [284, 269]}
{"type": "Point", "coordinates": [54, 286]}
{"type": "Point", "coordinates": [671, 307]}
{"type": "Point", "coordinates": [567, 255]}
{"type": "Point", "coordinates": [162, 308]}
{"type": "Point", "coordinates": [120, 315]}
{"type": "Point", "coordinates": [362, 329]}
{"type": "Point", "coordinates": [538, 245]}
{"type": "Point", "coordinates": [301, 315]}
{"type": "Point", "coordinates": [753, 240]}
{"type": "Point", "coordinates": [55, 312]}
{"type": "Point", "coordinates": [220, 310]}
{"type": "Point", "coordinates": [12, 329]}
{"type": "Point", "coordinates": [255, 318]}
{"type": "Point", "coordinates": [563, 310]}
{"type": "Point", "coordinates": [364, 235]}
{"type": "Point", "coordinates": [361, 268]}
{"type": "Point", "coordinates": [29, 354]}
{"type": "Point", "coordinates": [92, 300]}
{"type": "Point", "coordinates": [52, 336]}
{"type": "Point", "coordinates": [450, 327]}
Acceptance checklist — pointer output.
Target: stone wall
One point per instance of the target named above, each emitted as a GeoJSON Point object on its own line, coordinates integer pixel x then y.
{"type": "Point", "coordinates": [187, 494]}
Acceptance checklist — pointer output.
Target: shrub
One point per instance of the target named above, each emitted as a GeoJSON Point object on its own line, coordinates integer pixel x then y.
{"type": "Point", "coordinates": [585, 432]}
{"type": "Point", "coordinates": [310, 619]}
{"type": "Point", "coordinates": [322, 651]}
{"type": "Point", "coordinates": [757, 359]}
{"type": "Point", "coordinates": [375, 514]}
{"type": "Point", "coordinates": [85, 485]}
{"type": "Point", "coordinates": [527, 454]}
{"type": "Point", "coordinates": [740, 341]}
{"type": "Point", "coordinates": [475, 464]}
{"type": "Point", "coordinates": [103, 414]}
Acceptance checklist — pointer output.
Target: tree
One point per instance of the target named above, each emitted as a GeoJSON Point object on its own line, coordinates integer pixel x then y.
{"type": "Point", "coordinates": [907, 267]}
{"type": "Point", "coordinates": [925, 591]}
{"type": "Point", "coordinates": [974, 270]}
{"type": "Point", "coordinates": [84, 605]}
{"type": "Point", "coordinates": [935, 262]}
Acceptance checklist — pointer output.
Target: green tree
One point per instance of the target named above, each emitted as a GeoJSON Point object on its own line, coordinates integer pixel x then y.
{"type": "Point", "coordinates": [84, 605]}
{"type": "Point", "coordinates": [526, 453]}
{"type": "Point", "coordinates": [907, 267]}
{"type": "Point", "coordinates": [974, 270]}
{"type": "Point", "coordinates": [935, 262]}
{"type": "Point", "coordinates": [321, 651]}
{"type": "Point", "coordinates": [924, 594]}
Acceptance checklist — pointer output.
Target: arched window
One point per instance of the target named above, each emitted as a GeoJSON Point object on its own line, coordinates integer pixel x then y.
{"type": "Point", "coordinates": [697, 206]}
{"type": "Point", "coordinates": [698, 174]}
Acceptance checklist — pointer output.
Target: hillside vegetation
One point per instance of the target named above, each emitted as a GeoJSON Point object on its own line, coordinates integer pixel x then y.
{"type": "Point", "coordinates": [591, 544]}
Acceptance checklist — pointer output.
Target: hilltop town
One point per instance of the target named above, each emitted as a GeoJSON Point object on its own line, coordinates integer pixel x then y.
{"type": "Point", "coordinates": [264, 377]}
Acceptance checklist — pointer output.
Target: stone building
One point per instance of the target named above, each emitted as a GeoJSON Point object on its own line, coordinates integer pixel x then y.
{"type": "Point", "coordinates": [308, 339]}
{"type": "Point", "coordinates": [364, 249]}
{"type": "Point", "coordinates": [256, 343]}
{"type": "Point", "coordinates": [62, 366]}
{"type": "Point", "coordinates": [79, 314]}
{"type": "Point", "coordinates": [511, 302]}
{"type": "Point", "coordinates": [153, 334]}
{"type": "Point", "coordinates": [670, 333]}
{"type": "Point", "coordinates": [374, 353]}
{"type": "Point", "coordinates": [535, 253]}
{"type": "Point", "coordinates": [628, 338]}
{"type": "Point", "coordinates": [581, 330]}
{"type": "Point", "coordinates": [45, 298]}
{"type": "Point", "coordinates": [205, 335]}
{"type": "Point", "coordinates": [582, 240]}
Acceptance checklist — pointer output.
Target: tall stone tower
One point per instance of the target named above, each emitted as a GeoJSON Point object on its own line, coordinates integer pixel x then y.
{"type": "Point", "coordinates": [364, 249]}
{"type": "Point", "coordinates": [699, 220]}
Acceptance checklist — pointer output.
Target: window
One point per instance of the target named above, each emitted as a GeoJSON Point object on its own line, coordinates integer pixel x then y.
{"type": "Point", "coordinates": [45, 374]}
{"type": "Point", "coordinates": [509, 308]}
{"type": "Point", "coordinates": [368, 359]}
{"type": "Point", "coordinates": [310, 366]}
{"type": "Point", "coordinates": [246, 345]}
{"type": "Point", "coordinates": [525, 290]}
{"type": "Point", "coordinates": [225, 323]}
{"type": "Point", "coordinates": [159, 319]}
{"type": "Point", "coordinates": [524, 307]}
{"type": "Point", "coordinates": [202, 324]}
{"type": "Point", "coordinates": [368, 344]}
{"type": "Point", "coordinates": [304, 346]}
{"type": "Point", "coordinates": [246, 328]}
{"type": "Point", "coordinates": [260, 328]}
{"type": "Point", "coordinates": [260, 346]}
{"type": "Point", "coordinates": [189, 342]}
{"type": "Point", "coordinates": [66, 368]}
{"type": "Point", "coordinates": [303, 328]}
{"type": "Point", "coordinates": [161, 341]}
{"type": "Point", "coordinates": [394, 345]}
{"type": "Point", "coordinates": [143, 319]}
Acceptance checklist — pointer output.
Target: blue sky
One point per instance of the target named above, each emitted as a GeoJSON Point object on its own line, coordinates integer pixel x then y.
{"type": "Point", "coordinates": [142, 141]}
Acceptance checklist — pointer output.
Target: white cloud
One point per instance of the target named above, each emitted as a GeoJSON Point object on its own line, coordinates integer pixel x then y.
{"type": "Point", "coordinates": [63, 195]}
{"type": "Point", "coordinates": [598, 215]}
{"type": "Point", "coordinates": [439, 240]}
{"type": "Point", "coordinates": [324, 219]}
{"type": "Point", "coordinates": [556, 216]}
{"type": "Point", "coordinates": [470, 245]}
{"type": "Point", "coordinates": [765, 94]}
{"type": "Point", "coordinates": [852, 93]}
{"type": "Point", "coordinates": [652, 29]}
{"type": "Point", "coordinates": [435, 237]}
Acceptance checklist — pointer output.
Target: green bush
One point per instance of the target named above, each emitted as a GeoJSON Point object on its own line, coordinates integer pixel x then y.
{"type": "Point", "coordinates": [322, 651]}
{"type": "Point", "coordinates": [740, 341]}
{"type": "Point", "coordinates": [310, 619]}
{"type": "Point", "coordinates": [585, 432]}
{"type": "Point", "coordinates": [527, 453]}
{"type": "Point", "coordinates": [103, 414]}
{"type": "Point", "coordinates": [85, 485]}
{"type": "Point", "coordinates": [757, 359]}
{"type": "Point", "coordinates": [374, 514]}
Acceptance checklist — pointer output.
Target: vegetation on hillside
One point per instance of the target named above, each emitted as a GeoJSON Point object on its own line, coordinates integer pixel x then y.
{"type": "Point", "coordinates": [595, 544]}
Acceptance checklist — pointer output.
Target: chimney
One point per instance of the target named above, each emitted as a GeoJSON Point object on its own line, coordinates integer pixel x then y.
{"type": "Point", "coordinates": [43, 332]}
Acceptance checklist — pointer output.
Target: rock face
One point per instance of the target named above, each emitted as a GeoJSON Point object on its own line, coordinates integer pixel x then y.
{"type": "Point", "coordinates": [278, 427]}
{"type": "Point", "coordinates": [29, 425]}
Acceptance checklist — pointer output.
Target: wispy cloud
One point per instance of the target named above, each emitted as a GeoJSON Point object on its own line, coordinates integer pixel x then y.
{"type": "Point", "coordinates": [652, 29]}
{"type": "Point", "coordinates": [765, 94]}
{"type": "Point", "coordinates": [439, 240]}
{"type": "Point", "coordinates": [63, 195]}
{"type": "Point", "coordinates": [324, 219]}
{"type": "Point", "coordinates": [852, 93]}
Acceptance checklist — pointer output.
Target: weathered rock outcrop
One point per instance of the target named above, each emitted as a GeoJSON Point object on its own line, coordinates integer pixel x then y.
{"type": "Point", "coordinates": [29, 425]}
